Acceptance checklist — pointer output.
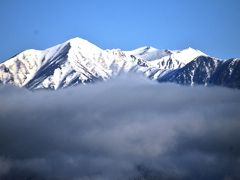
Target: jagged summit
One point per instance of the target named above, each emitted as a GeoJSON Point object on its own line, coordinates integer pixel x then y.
{"type": "Point", "coordinates": [143, 50]}
{"type": "Point", "coordinates": [78, 61]}
{"type": "Point", "coordinates": [78, 40]}
{"type": "Point", "coordinates": [82, 43]}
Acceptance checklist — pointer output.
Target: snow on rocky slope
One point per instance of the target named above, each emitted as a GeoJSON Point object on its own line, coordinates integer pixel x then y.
{"type": "Point", "coordinates": [75, 61]}
{"type": "Point", "coordinates": [78, 61]}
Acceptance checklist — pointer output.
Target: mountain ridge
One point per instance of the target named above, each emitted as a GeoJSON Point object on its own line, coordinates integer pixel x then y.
{"type": "Point", "coordinates": [78, 61]}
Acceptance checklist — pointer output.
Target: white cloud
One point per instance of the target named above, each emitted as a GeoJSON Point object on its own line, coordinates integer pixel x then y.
{"type": "Point", "coordinates": [120, 129]}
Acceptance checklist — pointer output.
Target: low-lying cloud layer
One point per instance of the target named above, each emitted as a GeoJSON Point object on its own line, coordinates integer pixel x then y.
{"type": "Point", "coordinates": [123, 129]}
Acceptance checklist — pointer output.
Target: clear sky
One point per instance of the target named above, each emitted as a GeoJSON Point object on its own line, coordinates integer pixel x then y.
{"type": "Point", "coordinates": [212, 26]}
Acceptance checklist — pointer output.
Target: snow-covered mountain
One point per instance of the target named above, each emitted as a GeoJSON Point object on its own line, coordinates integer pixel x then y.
{"type": "Point", "coordinates": [206, 71]}
{"type": "Point", "coordinates": [75, 61]}
{"type": "Point", "coordinates": [78, 61]}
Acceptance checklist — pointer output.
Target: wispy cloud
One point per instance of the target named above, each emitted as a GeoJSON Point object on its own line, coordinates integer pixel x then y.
{"type": "Point", "coordinates": [122, 129]}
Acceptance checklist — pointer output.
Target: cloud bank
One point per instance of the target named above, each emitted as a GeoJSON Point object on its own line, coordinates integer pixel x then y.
{"type": "Point", "coordinates": [122, 129]}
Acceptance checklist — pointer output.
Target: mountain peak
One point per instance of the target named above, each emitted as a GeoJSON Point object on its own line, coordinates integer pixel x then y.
{"type": "Point", "coordinates": [77, 40]}
{"type": "Point", "coordinates": [192, 50]}
{"type": "Point", "coordinates": [77, 61]}
{"type": "Point", "coordinates": [83, 44]}
{"type": "Point", "coordinates": [143, 50]}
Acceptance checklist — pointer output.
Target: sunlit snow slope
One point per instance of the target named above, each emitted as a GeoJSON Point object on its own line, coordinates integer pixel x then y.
{"type": "Point", "coordinates": [78, 61]}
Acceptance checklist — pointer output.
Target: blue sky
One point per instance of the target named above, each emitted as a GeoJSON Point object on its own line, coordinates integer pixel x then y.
{"type": "Point", "coordinates": [212, 26]}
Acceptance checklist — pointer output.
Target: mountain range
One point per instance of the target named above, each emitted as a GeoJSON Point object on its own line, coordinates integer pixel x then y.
{"type": "Point", "coordinates": [78, 61]}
